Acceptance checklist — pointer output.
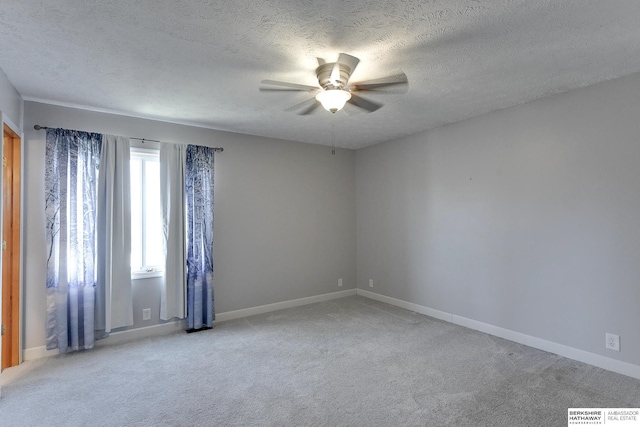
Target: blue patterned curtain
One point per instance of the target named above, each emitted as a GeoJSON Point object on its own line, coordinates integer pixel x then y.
{"type": "Point", "coordinates": [199, 194]}
{"type": "Point", "coordinates": [71, 179]}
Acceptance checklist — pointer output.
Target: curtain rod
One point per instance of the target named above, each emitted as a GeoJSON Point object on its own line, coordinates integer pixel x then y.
{"type": "Point", "coordinates": [38, 127]}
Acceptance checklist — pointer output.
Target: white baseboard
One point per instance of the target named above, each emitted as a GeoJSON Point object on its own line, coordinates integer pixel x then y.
{"type": "Point", "coordinates": [593, 359]}
{"type": "Point", "coordinates": [145, 332]}
{"type": "Point", "coordinates": [114, 338]}
{"type": "Point", "coordinates": [447, 317]}
{"type": "Point", "coordinates": [261, 309]}
{"type": "Point", "coordinates": [603, 362]}
{"type": "Point", "coordinates": [34, 353]}
{"type": "Point", "coordinates": [170, 327]}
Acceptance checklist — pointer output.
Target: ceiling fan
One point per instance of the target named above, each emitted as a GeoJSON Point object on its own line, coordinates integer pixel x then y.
{"type": "Point", "coordinates": [334, 89]}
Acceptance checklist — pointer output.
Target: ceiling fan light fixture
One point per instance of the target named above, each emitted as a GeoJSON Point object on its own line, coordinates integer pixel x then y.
{"type": "Point", "coordinates": [333, 99]}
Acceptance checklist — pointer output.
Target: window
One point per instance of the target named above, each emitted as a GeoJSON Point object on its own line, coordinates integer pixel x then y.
{"type": "Point", "coordinates": [146, 217]}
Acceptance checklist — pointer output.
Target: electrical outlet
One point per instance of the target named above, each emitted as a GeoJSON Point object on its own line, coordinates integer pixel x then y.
{"type": "Point", "coordinates": [612, 342]}
{"type": "Point", "coordinates": [146, 314]}
{"type": "Point", "coordinates": [339, 282]}
{"type": "Point", "coordinates": [371, 283]}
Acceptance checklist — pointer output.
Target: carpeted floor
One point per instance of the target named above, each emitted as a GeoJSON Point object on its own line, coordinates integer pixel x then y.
{"type": "Point", "coordinates": [347, 362]}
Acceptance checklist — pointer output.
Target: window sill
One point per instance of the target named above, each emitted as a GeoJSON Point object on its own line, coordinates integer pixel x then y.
{"type": "Point", "coordinates": [146, 275]}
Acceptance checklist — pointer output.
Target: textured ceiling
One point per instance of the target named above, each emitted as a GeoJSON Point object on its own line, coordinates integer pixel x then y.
{"type": "Point", "coordinates": [201, 62]}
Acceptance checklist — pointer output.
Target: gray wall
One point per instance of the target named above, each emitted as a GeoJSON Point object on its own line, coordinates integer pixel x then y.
{"type": "Point", "coordinates": [527, 218]}
{"type": "Point", "coordinates": [11, 102]}
{"type": "Point", "coordinates": [284, 214]}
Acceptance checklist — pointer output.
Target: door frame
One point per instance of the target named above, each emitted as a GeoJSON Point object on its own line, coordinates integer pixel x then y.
{"type": "Point", "coordinates": [5, 121]}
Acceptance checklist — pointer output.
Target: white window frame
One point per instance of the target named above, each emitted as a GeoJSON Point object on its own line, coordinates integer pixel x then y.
{"type": "Point", "coordinates": [144, 154]}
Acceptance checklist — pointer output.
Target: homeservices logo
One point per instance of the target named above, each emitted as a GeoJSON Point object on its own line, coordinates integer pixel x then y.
{"type": "Point", "coordinates": [628, 417]}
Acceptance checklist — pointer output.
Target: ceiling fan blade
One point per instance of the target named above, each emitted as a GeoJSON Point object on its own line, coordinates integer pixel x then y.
{"type": "Point", "coordinates": [289, 85]}
{"type": "Point", "coordinates": [310, 109]}
{"type": "Point", "coordinates": [348, 60]}
{"type": "Point", "coordinates": [305, 103]}
{"type": "Point", "coordinates": [282, 89]}
{"type": "Point", "coordinates": [395, 80]}
{"type": "Point", "coordinates": [365, 104]}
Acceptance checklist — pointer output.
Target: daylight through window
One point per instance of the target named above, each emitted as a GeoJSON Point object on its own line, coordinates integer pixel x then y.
{"type": "Point", "coordinates": [146, 218]}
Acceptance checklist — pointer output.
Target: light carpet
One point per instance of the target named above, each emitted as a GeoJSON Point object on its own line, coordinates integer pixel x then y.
{"type": "Point", "coordinates": [346, 362]}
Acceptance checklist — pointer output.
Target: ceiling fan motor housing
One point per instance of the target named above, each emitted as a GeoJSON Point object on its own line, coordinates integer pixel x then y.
{"type": "Point", "coordinates": [335, 89]}
{"type": "Point", "coordinates": [325, 73]}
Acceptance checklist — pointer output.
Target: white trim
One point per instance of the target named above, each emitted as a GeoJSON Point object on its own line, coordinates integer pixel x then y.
{"type": "Point", "coordinates": [145, 153]}
{"type": "Point", "coordinates": [261, 309]}
{"type": "Point", "coordinates": [34, 353]}
{"type": "Point", "coordinates": [141, 275]}
{"type": "Point", "coordinates": [593, 359]}
{"type": "Point", "coordinates": [447, 317]}
{"type": "Point", "coordinates": [144, 332]}
{"type": "Point", "coordinates": [21, 310]}
{"type": "Point", "coordinates": [7, 121]}
{"type": "Point", "coordinates": [114, 338]}
{"type": "Point", "coordinates": [178, 325]}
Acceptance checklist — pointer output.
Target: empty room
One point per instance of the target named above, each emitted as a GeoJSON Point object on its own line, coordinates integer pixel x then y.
{"type": "Point", "coordinates": [338, 213]}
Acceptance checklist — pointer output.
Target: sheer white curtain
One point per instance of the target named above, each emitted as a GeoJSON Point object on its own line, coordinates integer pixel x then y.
{"type": "Point", "coordinates": [172, 189]}
{"type": "Point", "coordinates": [114, 301]}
